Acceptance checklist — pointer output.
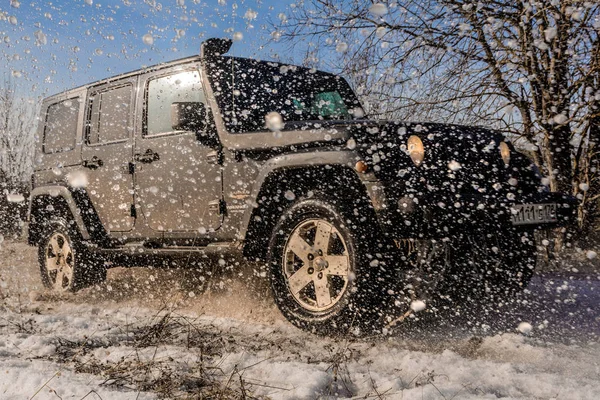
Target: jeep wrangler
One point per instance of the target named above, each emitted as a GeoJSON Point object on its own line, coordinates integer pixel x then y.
{"type": "Point", "coordinates": [213, 155]}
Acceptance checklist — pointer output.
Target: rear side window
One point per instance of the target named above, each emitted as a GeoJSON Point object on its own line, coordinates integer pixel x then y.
{"type": "Point", "coordinates": [109, 115]}
{"type": "Point", "coordinates": [164, 91]}
{"type": "Point", "coordinates": [60, 128]}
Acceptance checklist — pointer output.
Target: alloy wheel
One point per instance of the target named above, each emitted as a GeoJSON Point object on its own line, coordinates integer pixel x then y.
{"type": "Point", "coordinates": [316, 265]}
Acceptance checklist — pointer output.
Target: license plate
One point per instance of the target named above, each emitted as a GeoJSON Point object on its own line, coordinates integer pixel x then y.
{"type": "Point", "coordinates": [524, 214]}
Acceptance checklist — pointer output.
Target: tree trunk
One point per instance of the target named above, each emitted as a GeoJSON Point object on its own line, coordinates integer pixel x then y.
{"type": "Point", "coordinates": [557, 155]}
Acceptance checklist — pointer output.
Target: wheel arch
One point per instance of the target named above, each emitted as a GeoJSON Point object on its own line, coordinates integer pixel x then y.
{"type": "Point", "coordinates": [282, 187]}
{"type": "Point", "coordinates": [49, 202]}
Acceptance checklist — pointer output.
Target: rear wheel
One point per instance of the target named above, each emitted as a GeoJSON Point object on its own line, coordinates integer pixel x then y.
{"type": "Point", "coordinates": [324, 276]}
{"type": "Point", "coordinates": [65, 264]}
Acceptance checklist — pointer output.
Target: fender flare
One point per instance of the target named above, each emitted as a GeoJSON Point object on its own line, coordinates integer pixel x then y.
{"type": "Point", "coordinates": [346, 159]}
{"type": "Point", "coordinates": [66, 195]}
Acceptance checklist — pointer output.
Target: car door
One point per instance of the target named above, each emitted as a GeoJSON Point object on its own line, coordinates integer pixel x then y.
{"type": "Point", "coordinates": [107, 152]}
{"type": "Point", "coordinates": [178, 178]}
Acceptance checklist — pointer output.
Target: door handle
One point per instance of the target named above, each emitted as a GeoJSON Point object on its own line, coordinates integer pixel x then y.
{"type": "Point", "coordinates": [93, 163]}
{"type": "Point", "coordinates": [148, 157]}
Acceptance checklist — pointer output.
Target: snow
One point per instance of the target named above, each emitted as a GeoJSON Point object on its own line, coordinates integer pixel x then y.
{"type": "Point", "coordinates": [378, 9]}
{"type": "Point", "coordinates": [341, 47]}
{"type": "Point", "coordinates": [233, 336]}
{"type": "Point", "coordinates": [454, 165]}
{"type": "Point", "coordinates": [560, 119]}
{"type": "Point", "coordinates": [280, 362]}
{"type": "Point", "coordinates": [77, 179]}
{"type": "Point", "coordinates": [274, 121]}
{"type": "Point", "coordinates": [550, 34]}
{"type": "Point", "coordinates": [148, 39]}
{"type": "Point", "coordinates": [418, 305]}
{"type": "Point", "coordinates": [525, 328]}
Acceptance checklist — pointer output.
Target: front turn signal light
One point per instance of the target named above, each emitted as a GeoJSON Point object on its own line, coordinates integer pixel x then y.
{"type": "Point", "coordinates": [504, 153]}
{"type": "Point", "coordinates": [415, 149]}
{"type": "Point", "coordinates": [361, 167]}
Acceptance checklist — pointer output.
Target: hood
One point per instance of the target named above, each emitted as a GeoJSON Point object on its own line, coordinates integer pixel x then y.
{"type": "Point", "coordinates": [459, 159]}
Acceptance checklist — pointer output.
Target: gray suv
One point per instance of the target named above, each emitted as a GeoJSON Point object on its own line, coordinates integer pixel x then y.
{"type": "Point", "coordinates": [358, 221]}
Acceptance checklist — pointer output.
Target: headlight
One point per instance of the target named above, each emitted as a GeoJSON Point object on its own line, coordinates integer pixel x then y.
{"type": "Point", "coordinates": [504, 153]}
{"type": "Point", "coordinates": [415, 149]}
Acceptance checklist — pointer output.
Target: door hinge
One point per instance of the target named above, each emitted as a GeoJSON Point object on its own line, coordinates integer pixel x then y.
{"type": "Point", "coordinates": [217, 206]}
{"type": "Point", "coordinates": [133, 211]}
{"type": "Point", "coordinates": [129, 168]}
{"type": "Point", "coordinates": [214, 157]}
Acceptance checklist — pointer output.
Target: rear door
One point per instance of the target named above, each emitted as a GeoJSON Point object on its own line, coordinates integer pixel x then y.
{"type": "Point", "coordinates": [178, 179]}
{"type": "Point", "coordinates": [107, 152]}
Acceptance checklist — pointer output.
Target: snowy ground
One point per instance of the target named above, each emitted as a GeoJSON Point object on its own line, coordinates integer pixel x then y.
{"type": "Point", "coordinates": [149, 334]}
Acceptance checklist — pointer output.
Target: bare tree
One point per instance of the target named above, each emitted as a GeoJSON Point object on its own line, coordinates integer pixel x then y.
{"type": "Point", "coordinates": [17, 125]}
{"type": "Point", "coordinates": [528, 67]}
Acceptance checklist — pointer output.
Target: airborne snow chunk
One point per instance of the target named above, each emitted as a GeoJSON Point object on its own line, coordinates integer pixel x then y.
{"type": "Point", "coordinates": [378, 9]}
{"type": "Point", "coordinates": [525, 328]}
{"type": "Point", "coordinates": [418, 305]}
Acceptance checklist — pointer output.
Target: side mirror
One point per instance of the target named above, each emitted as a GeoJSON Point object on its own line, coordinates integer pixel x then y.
{"type": "Point", "coordinates": [188, 116]}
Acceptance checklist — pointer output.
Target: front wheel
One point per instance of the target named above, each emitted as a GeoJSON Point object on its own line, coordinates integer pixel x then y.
{"type": "Point", "coordinates": [65, 264]}
{"type": "Point", "coordinates": [324, 274]}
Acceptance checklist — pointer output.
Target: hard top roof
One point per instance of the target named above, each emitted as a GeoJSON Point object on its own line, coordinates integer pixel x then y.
{"type": "Point", "coordinates": [160, 66]}
{"type": "Point", "coordinates": [151, 68]}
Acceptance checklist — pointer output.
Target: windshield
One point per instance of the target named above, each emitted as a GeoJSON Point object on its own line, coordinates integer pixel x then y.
{"type": "Point", "coordinates": [248, 90]}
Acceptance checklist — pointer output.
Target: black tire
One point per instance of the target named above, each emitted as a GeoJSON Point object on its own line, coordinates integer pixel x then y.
{"type": "Point", "coordinates": [87, 268]}
{"type": "Point", "coordinates": [355, 305]}
{"type": "Point", "coordinates": [493, 265]}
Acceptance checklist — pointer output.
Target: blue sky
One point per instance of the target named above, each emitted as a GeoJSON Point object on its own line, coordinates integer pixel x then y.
{"type": "Point", "coordinates": [50, 46]}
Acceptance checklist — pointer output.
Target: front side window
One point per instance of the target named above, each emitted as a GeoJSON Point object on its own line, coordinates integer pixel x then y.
{"type": "Point", "coordinates": [109, 115]}
{"type": "Point", "coordinates": [61, 126]}
{"type": "Point", "coordinates": [163, 92]}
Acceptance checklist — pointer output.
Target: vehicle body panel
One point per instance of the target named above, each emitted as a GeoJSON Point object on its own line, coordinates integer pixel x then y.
{"type": "Point", "coordinates": [107, 151]}
{"type": "Point", "coordinates": [176, 189]}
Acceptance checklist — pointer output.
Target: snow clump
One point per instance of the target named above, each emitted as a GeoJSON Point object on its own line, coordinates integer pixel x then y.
{"type": "Point", "coordinates": [148, 39]}
{"type": "Point", "coordinates": [525, 328]}
{"type": "Point", "coordinates": [454, 165]}
{"type": "Point", "coordinates": [378, 9]}
{"type": "Point", "coordinates": [289, 195]}
{"type": "Point", "coordinates": [274, 121]}
{"type": "Point", "coordinates": [77, 179]}
{"type": "Point", "coordinates": [341, 47]}
{"type": "Point", "coordinates": [550, 34]}
{"type": "Point", "coordinates": [560, 119]}
{"type": "Point", "coordinates": [418, 305]}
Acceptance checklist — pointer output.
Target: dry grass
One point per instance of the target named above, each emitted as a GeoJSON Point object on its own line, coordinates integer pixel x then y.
{"type": "Point", "coordinates": [146, 368]}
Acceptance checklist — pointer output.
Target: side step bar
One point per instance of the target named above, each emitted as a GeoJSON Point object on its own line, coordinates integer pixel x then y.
{"type": "Point", "coordinates": [138, 249]}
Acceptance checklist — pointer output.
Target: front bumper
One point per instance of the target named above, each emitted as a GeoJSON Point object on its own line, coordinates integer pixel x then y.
{"type": "Point", "coordinates": [442, 215]}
